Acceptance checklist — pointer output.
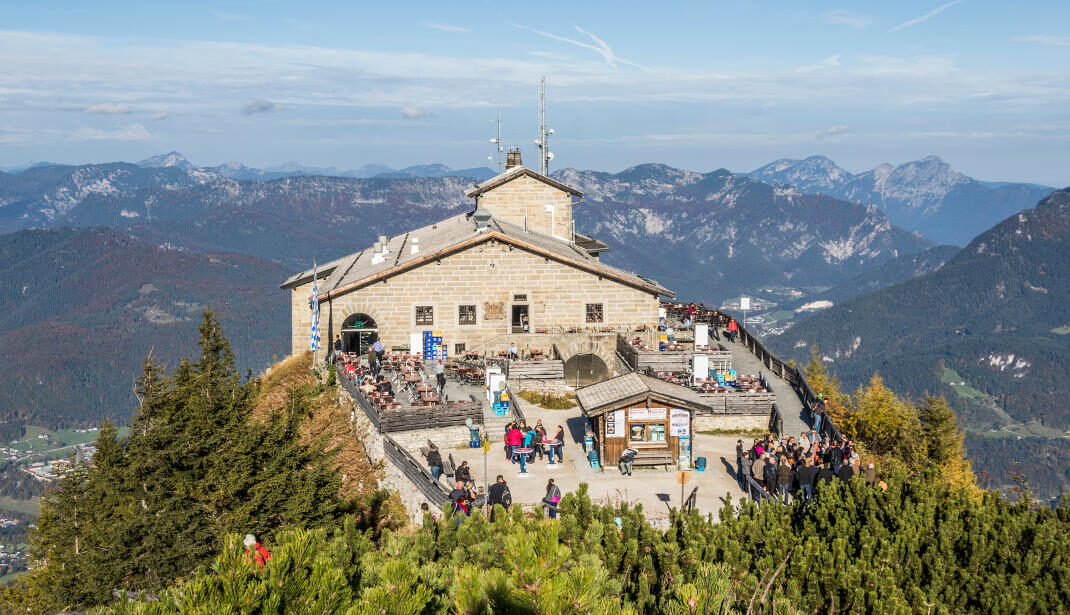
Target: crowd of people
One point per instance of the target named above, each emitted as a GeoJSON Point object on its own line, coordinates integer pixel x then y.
{"type": "Point", "coordinates": [798, 467]}
{"type": "Point", "coordinates": [463, 499]}
{"type": "Point", "coordinates": [519, 435]}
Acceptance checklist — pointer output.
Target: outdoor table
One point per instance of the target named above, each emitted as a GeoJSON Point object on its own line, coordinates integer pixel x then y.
{"type": "Point", "coordinates": [551, 444]}
{"type": "Point", "coordinates": [523, 453]}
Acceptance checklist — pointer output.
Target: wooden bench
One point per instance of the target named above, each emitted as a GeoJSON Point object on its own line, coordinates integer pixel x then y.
{"type": "Point", "coordinates": [654, 458]}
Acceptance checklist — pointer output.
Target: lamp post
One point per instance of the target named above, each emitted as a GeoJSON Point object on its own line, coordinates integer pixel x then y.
{"type": "Point", "coordinates": [486, 482]}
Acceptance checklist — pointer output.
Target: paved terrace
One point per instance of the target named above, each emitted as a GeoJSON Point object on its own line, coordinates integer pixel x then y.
{"type": "Point", "coordinates": [654, 488]}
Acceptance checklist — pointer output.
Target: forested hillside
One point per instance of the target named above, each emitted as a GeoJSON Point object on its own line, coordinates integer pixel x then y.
{"type": "Point", "coordinates": [80, 309]}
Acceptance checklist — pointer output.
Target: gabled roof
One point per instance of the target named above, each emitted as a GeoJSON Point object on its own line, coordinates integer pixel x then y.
{"type": "Point", "coordinates": [618, 392]}
{"type": "Point", "coordinates": [514, 173]}
{"type": "Point", "coordinates": [458, 233]}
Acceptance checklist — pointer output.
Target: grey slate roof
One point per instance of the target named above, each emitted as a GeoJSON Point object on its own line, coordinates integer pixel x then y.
{"type": "Point", "coordinates": [598, 398]}
{"type": "Point", "coordinates": [444, 235]}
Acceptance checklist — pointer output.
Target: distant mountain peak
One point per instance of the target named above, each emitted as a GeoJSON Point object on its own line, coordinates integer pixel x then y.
{"type": "Point", "coordinates": [170, 159]}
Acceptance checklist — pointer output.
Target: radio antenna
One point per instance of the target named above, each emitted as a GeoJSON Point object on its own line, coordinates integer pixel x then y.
{"type": "Point", "coordinates": [498, 143]}
{"type": "Point", "coordinates": [543, 142]}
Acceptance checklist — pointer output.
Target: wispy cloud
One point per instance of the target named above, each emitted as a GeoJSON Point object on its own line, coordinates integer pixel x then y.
{"type": "Point", "coordinates": [1044, 39]}
{"type": "Point", "coordinates": [597, 45]}
{"type": "Point", "coordinates": [413, 113]}
{"type": "Point", "coordinates": [831, 132]}
{"type": "Point", "coordinates": [156, 117]}
{"type": "Point", "coordinates": [846, 18]}
{"type": "Point", "coordinates": [258, 106]}
{"type": "Point", "coordinates": [132, 132]}
{"type": "Point", "coordinates": [925, 17]}
{"type": "Point", "coordinates": [108, 109]}
{"type": "Point", "coordinates": [826, 63]}
{"type": "Point", "coordinates": [445, 27]}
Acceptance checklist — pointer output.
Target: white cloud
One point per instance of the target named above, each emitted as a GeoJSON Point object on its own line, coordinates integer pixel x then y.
{"type": "Point", "coordinates": [831, 132]}
{"type": "Point", "coordinates": [258, 106]}
{"type": "Point", "coordinates": [156, 117]}
{"type": "Point", "coordinates": [412, 113]}
{"type": "Point", "coordinates": [1044, 39]}
{"type": "Point", "coordinates": [925, 17]}
{"type": "Point", "coordinates": [599, 46]}
{"type": "Point", "coordinates": [445, 27]}
{"type": "Point", "coordinates": [826, 63]}
{"type": "Point", "coordinates": [131, 132]}
{"type": "Point", "coordinates": [108, 108]}
{"type": "Point", "coordinates": [842, 17]}
{"type": "Point", "coordinates": [557, 57]}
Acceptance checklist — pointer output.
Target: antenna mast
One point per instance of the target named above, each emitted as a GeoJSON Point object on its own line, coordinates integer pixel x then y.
{"type": "Point", "coordinates": [543, 142]}
{"type": "Point", "coordinates": [498, 143]}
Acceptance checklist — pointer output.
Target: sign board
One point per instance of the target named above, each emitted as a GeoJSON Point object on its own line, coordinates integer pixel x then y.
{"type": "Point", "coordinates": [685, 452]}
{"type": "Point", "coordinates": [680, 423]}
{"type": "Point", "coordinates": [702, 333]}
{"type": "Point", "coordinates": [682, 478]}
{"type": "Point", "coordinates": [744, 303]}
{"type": "Point", "coordinates": [700, 366]}
{"type": "Point", "coordinates": [615, 424]}
{"type": "Point", "coordinates": [645, 414]}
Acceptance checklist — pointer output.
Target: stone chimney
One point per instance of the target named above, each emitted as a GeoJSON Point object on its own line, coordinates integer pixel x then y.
{"type": "Point", "coordinates": [512, 159]}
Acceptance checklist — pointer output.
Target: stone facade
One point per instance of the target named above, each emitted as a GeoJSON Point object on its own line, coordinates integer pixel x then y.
{"type": "Point", "coordinates": [493, 277]}
{"type": "Point", "coordinates": [524, 200]}
{"type": "Point", "coordinates": [731, 422]}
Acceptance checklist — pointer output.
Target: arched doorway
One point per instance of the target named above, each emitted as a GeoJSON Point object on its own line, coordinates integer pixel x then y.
{"type": "Point", "coordinates": [584, 369]}
{"type": "Point", "coordinates": [358, 333]}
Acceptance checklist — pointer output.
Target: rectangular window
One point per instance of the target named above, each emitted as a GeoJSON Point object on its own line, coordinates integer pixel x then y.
{"type": "Point", "coordinates": [425, 315]}
{"type": "Point", "coordinates": [458, 349]}
{"type": "Point", "coordinates": [519, 298]}
{"type": "Point", "coordinates": [466, 314]}
{"type": "Point", "coordinates": [594, 312]}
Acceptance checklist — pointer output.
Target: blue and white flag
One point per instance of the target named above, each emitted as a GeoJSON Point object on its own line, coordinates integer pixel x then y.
{"type": "Point", "coordinates": [314, 342]}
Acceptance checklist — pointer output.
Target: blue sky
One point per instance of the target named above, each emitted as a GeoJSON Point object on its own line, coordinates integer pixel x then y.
{"type": "Point", "coordinates": [699, 85]}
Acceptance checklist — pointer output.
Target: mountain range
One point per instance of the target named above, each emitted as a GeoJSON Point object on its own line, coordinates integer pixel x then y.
{"type": "Point", "coordinates": [925, 195]}
{"type": "Point", "coordinates": [989, 329]}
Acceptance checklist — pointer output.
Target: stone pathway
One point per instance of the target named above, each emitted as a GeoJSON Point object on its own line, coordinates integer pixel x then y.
{"type": "Point", "coordinates": [796, 419]}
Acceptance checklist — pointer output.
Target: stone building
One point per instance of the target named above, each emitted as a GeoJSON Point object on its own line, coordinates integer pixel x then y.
{"type": "Point", "coordinates": [514, 266]}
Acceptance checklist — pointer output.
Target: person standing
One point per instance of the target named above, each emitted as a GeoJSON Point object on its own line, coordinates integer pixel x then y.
{"type": "Point", "coordinates": [459, 497]}
{"type": "Point", "coordinates": [770, 471]}
{"type": "Point", "coordinates": [434, 460]}
{"type": "Point", "coordinates": [871, 474]}
{"type": "Point", "coordinates": [806, 479]}
{"type": "Point", "coordinates": [254, 548]}
{"type": "Point", "coordinates": [514, 439]}
{"type": "Point", "coordinates": [627, 458]}
{"type": "Point", "coordinates": [499, 495]}
{"type": "Point", "coordinates": [560, 446]}
{"type": "Point", "coordinates": [337, 346]}
{"type": "Point", "coordinates": [783, 479]}
{"type": "Point", "coordinates": [552, 499]}
{"type": "Point", "coordinates": [462, 472]}
{"type": "Point", "coordinates": [731, 330]}
{"type": "Point", "coordinates": [739, 459]}
{"type": "Point", "coordinates": [744, 469]}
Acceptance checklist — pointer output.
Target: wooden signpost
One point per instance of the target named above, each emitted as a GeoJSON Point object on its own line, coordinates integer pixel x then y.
{"type": "Point", "coordinates": [682, 479]}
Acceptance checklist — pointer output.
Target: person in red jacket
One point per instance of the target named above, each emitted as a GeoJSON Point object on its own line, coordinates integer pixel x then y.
{"type": "Point", "coordinates": [256, 549]}
{"type": "Point", "coordinates": [514, 438]}
{"type": "Point", "coordinates": [732, 329]}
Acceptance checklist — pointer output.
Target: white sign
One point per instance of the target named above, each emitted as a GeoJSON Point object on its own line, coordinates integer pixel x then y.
{"type": "Point", "coordinates": [680, 423]}
{"type": "Point", "coordinates": [643, 414]}
{"type": "Point", "coordinates": [615, 424]}
{"type": "Point", "coordinates": [744, 303]}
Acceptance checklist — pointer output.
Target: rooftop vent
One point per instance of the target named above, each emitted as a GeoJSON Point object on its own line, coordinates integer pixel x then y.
{"type": "Point", "coordinates": [512, 159]}
{"type": "Point", "coordinates": [482, 217]}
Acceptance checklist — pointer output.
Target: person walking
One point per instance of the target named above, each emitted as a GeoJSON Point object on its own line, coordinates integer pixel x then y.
{"type": "Point", "coordinates": [552, 498]}
{"type": "Point", "coordinates": [440, 377]}
{"type": "Point", "coordinates": [627, 458]}
{"type": "Point", "coordinates": [254, 548]}
{"type": "Point", "coordinates": [434, 460]}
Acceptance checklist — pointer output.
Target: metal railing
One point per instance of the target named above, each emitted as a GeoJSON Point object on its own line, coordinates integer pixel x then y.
{"type": "Point", "coordinates": [416, 472]}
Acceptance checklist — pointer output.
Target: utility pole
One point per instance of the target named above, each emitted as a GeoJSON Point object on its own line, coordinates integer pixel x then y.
{"type": "Point", "coordinates": [486, 476]}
